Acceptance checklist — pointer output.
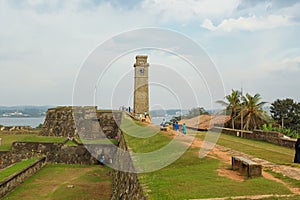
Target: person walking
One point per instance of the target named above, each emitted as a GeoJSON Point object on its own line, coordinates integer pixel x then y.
{"type": "Point", "coordinates": [184, 129]}
{"type": "Point", "coordinates": [177, 127]}
{"type": "Point", "coordinates": [297, 153]}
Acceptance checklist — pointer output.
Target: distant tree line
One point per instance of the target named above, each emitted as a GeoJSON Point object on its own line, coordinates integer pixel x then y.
{"type": "Point", "coordinates": [247, 113]}
{"type": "Point", "coordinates": [286, 114]}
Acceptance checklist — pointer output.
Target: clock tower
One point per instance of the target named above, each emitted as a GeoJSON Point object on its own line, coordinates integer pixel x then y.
{"type": "Point", "coordinates": [141, 89]}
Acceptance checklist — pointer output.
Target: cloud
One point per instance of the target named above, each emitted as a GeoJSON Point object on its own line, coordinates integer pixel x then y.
{"type": "Point", "coordinates": [271, 4]}
{"type": "Point", "coordinates": [251, 23]}
{"type": "Point", "coordinates": [285, 64]}
{"type": "Point", "coordinates": [173, 10]}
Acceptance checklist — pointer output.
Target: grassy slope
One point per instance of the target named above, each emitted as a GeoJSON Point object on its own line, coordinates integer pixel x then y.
{"type": "Point", "coordinates": [191, 177]}
{"type": "Point", "coordinates": [7, 172]}
{"type": "Point", "coordinates": [8, 139]}
{"type": "Point", "coordinates": [260, 149]}
{"type": "Point", "coordinates": [90, 182]}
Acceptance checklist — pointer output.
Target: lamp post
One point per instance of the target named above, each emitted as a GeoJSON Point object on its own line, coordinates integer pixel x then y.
{"type": "Point", "coordinates": [284, 116]}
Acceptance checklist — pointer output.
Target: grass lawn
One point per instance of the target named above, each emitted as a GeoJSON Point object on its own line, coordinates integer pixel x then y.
{"type": "Point", "coordinates": [190, 177]}
{"type": "Point", "coordinates": [8, 139]}
{"type": "Point", "coordinates": [17, 167]}
{"type": "Point", "coordinates": [97, 141]}
{"type": "Point", "coordinates": [52, 181]}
{"type": "Point", "coordinates": [136, 136]}
{"type": "Point", "coordinates": [259, 149]}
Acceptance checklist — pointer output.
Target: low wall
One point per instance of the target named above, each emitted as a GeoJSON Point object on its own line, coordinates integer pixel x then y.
{"type": "Point", "coordinates": [12, 182]}
{"type": "Point", "coordinates": [268, 136]}
{"type": "Point", "coordinates": [56, 153]}
{"type": "Point", "coordinates": [60, 153]}
{"type": "Point", "coordinates": [7, 158]}
{"type": "Point", "coordinates": [14, 128]}
{"type": "Point", "coordinates": [125, 184]}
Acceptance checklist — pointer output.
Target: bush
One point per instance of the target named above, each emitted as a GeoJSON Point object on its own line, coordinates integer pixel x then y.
{"type": "Point", "coordinates": [286, 131]}
{"type": "Point", "coordinates": [40, 126]}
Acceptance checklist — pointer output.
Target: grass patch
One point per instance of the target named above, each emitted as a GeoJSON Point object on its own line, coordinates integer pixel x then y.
{"type": "Point", "coordinates": [260, 149]}
{"type": "Point", "coordinates": [88, 181]}
{"type": "Point", "coordinates": [70, 143]}
{"type": "Point", "coordinates": [15, 168]}
{"type": "Point", "coordinates": [97, 141]}
{"type": "Point", "coordinates": [8, 139]}
{"type": "Point", "coordinates": [136, 136]}
{"type": "Point", "coordinates": [190, 177]}
{"type": "Point", "coordinates": [292, 182]}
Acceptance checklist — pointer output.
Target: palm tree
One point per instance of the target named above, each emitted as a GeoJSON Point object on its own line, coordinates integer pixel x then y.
{"type": "Point", "coordinates": [232, 105]}
{"type": "Point", "coordinates": [253, 112]}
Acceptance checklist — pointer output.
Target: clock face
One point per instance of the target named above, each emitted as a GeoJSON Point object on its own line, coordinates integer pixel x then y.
{"type": "Point", "coordinates": [142, 70]}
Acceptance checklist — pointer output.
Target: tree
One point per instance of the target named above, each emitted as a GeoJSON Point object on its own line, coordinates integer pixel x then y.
{"type": "Point", "coordinates": [253, 112]}
{"type": "Point", "coordinates": [232, 103]}
{"type": "Point", "coordinates": [286, 112]}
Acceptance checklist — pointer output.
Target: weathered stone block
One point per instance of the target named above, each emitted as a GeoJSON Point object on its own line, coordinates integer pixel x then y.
{"type": "Point", "coordinates": [246, 167]}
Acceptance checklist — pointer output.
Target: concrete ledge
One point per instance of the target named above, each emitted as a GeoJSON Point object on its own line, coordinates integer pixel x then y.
{"type": "Point", "coordinates": [246, 167]}
{"type": "Point", "coordinates": [12, 182]}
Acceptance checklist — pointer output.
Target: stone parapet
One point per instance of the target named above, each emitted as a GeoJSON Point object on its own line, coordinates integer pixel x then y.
{"type": "Point", "coordinates": [12, 182]}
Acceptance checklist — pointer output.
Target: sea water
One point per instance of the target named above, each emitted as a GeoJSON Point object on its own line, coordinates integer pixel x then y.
{"type": "Point", "coordinates": [24, 121]}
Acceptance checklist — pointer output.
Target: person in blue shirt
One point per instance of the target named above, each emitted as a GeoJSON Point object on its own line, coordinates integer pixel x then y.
{"type": "Point", "coordinates": [177, 127]}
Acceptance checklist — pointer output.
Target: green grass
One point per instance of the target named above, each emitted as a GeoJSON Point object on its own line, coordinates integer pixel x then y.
{"type": "Point", "coordinates": [264, 150]}
{"type": "Point", "coordinates": [136, 136]}
{"type": "Point", "coordinates": [15, 168]}
{"type": "Point", "coordinates": [8, 139]}
{"type": "Point", "coordinates": [70, 143]}
{"type": "Point", "coordinates": [292, 182]}
{"type": "Point", "coordinates": [89, 181]}
{"type": "Point", "coordinates": [190, 177]}
{"type": "Point", "coordinates": [97, 141]}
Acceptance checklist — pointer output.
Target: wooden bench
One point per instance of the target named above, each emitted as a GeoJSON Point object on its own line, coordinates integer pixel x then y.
{"type": "Point", "coordinates": [246, 167]}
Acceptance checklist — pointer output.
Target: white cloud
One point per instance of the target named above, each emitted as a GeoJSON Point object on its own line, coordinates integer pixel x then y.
{"type": "Point", "coordinates": [252, 23]}
{"type": "Point", "coordinates": [286, 64]}
{"type": "Point", "coordinates": [174, 10]}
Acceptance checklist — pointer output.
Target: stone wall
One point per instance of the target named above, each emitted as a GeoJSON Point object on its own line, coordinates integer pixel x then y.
{"type": "Point", "coordinates": [56, 153]}
{"type": "Point", "coordinates": [59, 122]}
{"type": "Point", "coordinates": [60, 153]}
{"type": "Point", "coordinates": [268, 136]}
{"type": "Point", "coordinates": [12, 182]}
{"type": "Point", "coordinates": [110, 122]}
{"type": "Point", "coordinates": [86, 122]}
{"type": "Point", "coordinates": [7, 158]}
{"type": "Point", "coordinates": [125, 184]}
{"type": "Point", "coordinates": [14, 128]}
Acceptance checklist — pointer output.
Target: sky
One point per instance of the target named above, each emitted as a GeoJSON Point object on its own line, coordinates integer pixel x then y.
{"type": "Point", "coordinates": [45, 44]}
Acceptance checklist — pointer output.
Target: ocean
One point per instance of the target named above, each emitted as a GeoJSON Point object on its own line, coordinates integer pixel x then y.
{"type": "Point", "coordinates": [25, 121]}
